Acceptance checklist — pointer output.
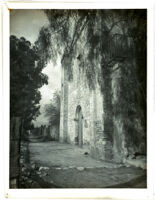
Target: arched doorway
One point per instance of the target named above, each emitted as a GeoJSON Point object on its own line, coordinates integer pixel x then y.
{"type": "Point", "coordinates": [79, 126]}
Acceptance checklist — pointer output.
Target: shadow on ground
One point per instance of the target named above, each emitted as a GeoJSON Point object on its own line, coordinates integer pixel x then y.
{"type": "Point", "coordinates": [55, 165]}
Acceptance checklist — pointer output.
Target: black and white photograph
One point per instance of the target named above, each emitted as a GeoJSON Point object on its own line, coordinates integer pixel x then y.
{"type": "Point", "coordinates": [78, 98]}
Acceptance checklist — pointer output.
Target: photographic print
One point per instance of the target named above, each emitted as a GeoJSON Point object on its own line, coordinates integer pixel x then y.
{"type": "Point", "coordinates": [78, 98]}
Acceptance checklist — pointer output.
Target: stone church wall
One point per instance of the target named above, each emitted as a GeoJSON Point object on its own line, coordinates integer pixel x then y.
{"type": "Point", "coordinates": [91, 102]}
{"type": "Point", "coordinates": [103, 129]}
{"type": "Point", "coordinates": [123, 145]}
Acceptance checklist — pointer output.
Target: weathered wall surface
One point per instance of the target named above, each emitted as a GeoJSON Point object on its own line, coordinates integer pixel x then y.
{"type": "Point", "coordinates": [119, 144]}
{"type": "Point", "coordinates": [64, 104]}
{"type": "Point", "coordinates": [91, 103]}
{"type": "Point", "coordinates": [105, 142]}
{"type": "Point", "coordinates": [81, 95]}
{"type": "Point", "coordinates": [103, 129]}
{"type": "Point", "coordinates": [76, 93]}
{"type": "Point", "coordinates": [126, 141]}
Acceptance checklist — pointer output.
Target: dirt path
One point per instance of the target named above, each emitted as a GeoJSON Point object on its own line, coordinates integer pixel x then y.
{"type": "Point", "coordinates": [67, 166]}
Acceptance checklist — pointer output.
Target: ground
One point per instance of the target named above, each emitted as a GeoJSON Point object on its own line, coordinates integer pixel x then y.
{"type": "Point", "coordinates": [56, 165]}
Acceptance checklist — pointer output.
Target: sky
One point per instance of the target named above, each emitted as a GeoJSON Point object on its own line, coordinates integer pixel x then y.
{"type": "Point", "coordinates": [27, 23]}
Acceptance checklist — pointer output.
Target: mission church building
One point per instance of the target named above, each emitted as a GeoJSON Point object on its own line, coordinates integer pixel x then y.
{"type": "Point", "coordinates": [89, 116]}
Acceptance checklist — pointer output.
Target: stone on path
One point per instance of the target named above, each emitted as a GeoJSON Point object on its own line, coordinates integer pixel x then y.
{"type": "Point", "coordinates": [80, 168]}
{"type": "Point", "coordinates": [28, 174]}
{"type": "Point", "coordinates": [43, 168]}
{"type": "Point", "coordinates": [23, 169]}
{"type": "Point", "coordinates": [58, 168]}
{"type": "Point", "coordinates": [33, 166]}
{"type": "Point", "coordinates": [43, 174]}
{"type": "Point", "coordinates": [137, 163]}
{"type": "Point", "coordinates": [21, 161]}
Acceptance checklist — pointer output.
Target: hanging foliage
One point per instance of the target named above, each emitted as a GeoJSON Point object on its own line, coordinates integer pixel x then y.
{"type": "Point", "coordinates": [104, 42]}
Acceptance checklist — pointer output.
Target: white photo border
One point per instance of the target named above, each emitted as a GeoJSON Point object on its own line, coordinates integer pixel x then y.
{"type": "Point", "coordinates": [81, 193]}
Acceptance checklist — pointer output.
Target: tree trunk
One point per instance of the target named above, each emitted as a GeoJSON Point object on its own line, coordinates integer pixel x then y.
{"type": "Point", "coordinates": [15, 138]}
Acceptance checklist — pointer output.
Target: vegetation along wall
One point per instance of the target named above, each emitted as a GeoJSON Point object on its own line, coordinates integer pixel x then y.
{"type": "Point", "coordinates": [103, 56]}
